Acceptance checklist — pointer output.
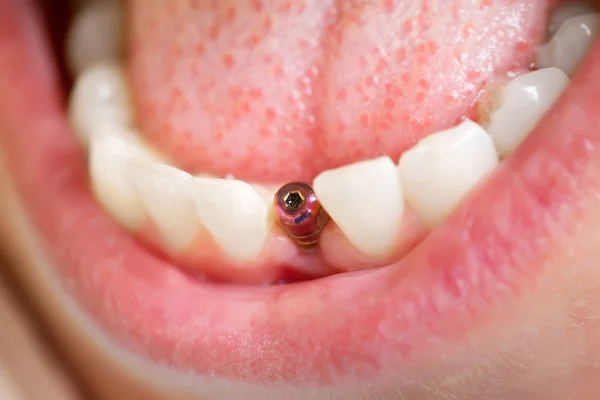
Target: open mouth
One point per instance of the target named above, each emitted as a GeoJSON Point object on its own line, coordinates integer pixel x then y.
{"type": "Point", "coordinates": [448, 146]}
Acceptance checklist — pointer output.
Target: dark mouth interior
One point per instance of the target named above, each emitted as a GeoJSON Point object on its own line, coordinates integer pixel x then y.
{"type": "Point", "coordinates": [56, 15]}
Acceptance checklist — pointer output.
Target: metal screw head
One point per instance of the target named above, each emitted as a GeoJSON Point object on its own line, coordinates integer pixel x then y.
{"type": "Point", "coordinates": [293, 200]}
{"type": "Point", "coordinates": [299, 213]}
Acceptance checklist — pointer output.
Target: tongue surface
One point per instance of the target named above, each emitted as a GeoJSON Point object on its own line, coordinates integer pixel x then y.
{"type": "Point", "coordinates": [281, 90]}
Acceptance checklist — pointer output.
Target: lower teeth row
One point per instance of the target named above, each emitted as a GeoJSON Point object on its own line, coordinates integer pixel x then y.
{"type": "Point", "coordinates": [366, 200]}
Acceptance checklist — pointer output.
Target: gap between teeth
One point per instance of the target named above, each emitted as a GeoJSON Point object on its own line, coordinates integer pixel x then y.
{"type": "Point", "coordinates": [366, 200]}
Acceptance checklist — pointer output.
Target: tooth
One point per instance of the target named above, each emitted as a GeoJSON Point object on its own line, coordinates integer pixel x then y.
{"type": "Point", "coordinates": [111, 149]}
{"type": "Point", "coordinates": [165, 191]}
{"type": "Point", "coordinates": [95, 35]}
{"type": "Point", "coordinates": [442, 168]}
{"type": "Point", "coordinates": [522, 103]}
{"type": "Point", "coordinates": [569, 45]}
{"type": "Point", "coordinates": [566, 11]}
{"type": "Point", "coordinates": [235, 215]}
{"type": "Point", "coordinates": [100, 98]}
{"type": "Point", "coordinates": [365, 200]}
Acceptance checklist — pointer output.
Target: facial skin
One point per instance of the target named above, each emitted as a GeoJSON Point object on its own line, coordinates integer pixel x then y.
{"type": "Point", "coordinates": [528, 328]}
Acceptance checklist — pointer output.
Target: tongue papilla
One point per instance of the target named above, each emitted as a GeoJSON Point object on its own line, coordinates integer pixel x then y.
{"type": "Point", "coordinates": [280, 90]}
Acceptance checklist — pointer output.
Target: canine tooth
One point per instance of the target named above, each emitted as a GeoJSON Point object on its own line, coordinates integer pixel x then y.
{"type": "Point", "coordinates": [569, 45]}
{"type": "Point", "coordinates": [442, 168]}
{"type": "Point", "coordinates": [111, 149]}
{"type": "Point", "coordinates": [95, 35]}
{"type": "Point", "coordinates": [522, 103]}
{"type": "Point", "coordinates": [365, 200]}
{"type": "Point", "coordinates": [235, 214]}
{"type": "Point", "coordinates": [100, 98]}
{"type": "Point", "coordinates": [165, 192]}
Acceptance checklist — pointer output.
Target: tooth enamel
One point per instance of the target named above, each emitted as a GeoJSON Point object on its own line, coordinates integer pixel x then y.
{"type": "Point", "coordinates": [566, 11]}
{"type": "Point", "coordinates": [442, 168]}
{"type": "Point", "coordinates": [165, 191]}
{"type": "Point", "coordinates": [569, 45]}
{"type": "Point", "coordinates": [100, 98]}
{"type": "Point", "coordinates": [111, 149]}
{"type": "Point", "coordinates": [522, 103]}
{"type": "Point", "coordinates": [95, 35]}
{"type": "Point", "coordinates": [235, 215]}
{"type": "Point", "coordinates": [365, 200]}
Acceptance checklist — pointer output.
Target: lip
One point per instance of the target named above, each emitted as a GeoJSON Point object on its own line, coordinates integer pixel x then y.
{"type": "Point", "coordinates": [351, 326]}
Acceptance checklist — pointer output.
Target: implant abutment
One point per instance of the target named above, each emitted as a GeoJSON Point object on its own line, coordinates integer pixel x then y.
{"type": "Point", "coordinates": [299, 213]}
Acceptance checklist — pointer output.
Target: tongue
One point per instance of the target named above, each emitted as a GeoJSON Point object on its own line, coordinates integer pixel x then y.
{"type": "Point", "coordinates": [281, 90]}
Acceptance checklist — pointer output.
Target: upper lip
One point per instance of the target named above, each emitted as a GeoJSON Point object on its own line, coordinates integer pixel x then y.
{"type": "Point", "coordinates": [488, 254]}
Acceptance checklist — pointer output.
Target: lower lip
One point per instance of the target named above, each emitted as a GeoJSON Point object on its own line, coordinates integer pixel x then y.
{"type": "Point", "coordinates": [352, 325]}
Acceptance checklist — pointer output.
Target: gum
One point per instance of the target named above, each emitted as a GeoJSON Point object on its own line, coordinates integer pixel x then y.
{"type": "Point", "coordinates": [281, 258]}
{"type": "Point", "coordinates": [339, 253]}
{"type": "Point", "coordinates": [204, 259]}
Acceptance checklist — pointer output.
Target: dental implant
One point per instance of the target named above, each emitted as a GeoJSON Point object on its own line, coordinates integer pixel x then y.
{"type": "Point", "coordinates": [299, 213]}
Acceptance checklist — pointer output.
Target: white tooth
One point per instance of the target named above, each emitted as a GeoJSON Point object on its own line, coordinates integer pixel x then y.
{"type": "Point", "coordinates": [569, 45]}
{"type": "Point", "coordinates": [100, 98]}
{"type": "Point", "coordinates": [235, 215]}
{"type": "Point", "coordinates": [111, 150]}
{"type": "Point", "coordinates": [365, 200]}
{"type": "Point", "coordinates": [442, 168]}
{"type": "Point", "coordinates": [521, 104]}
{"type": "Point", "coordinates": [166, 193]}
{"type": "Point", "coordinates": [566, 11]}
{"type": "Point", "coordinates": [95, 35]}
